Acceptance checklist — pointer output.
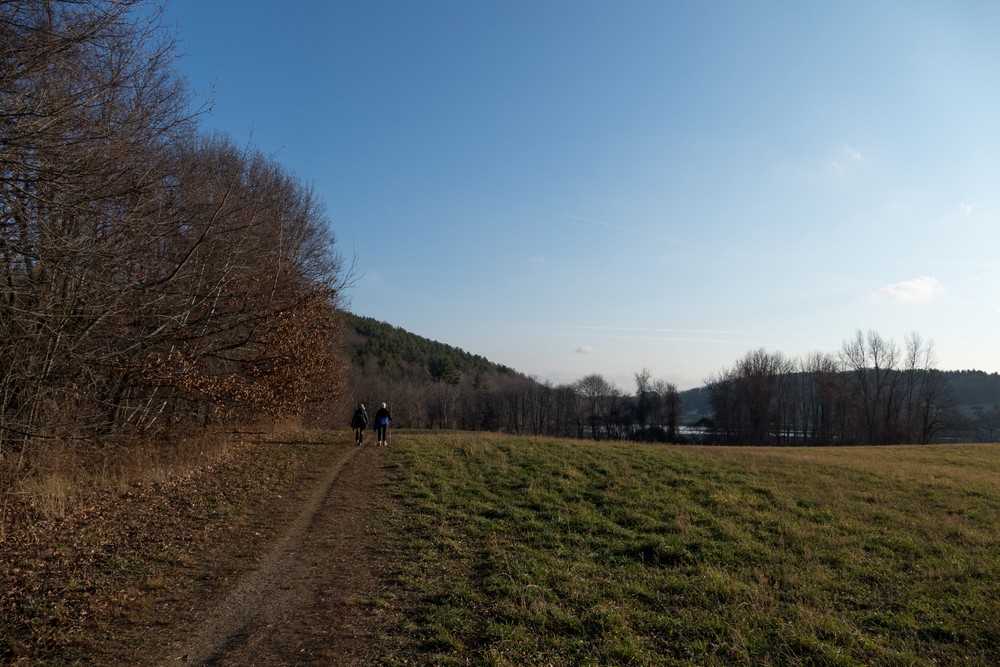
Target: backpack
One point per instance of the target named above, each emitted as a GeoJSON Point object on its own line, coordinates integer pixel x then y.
{"type": "Point", "coordinates": [360, 419]}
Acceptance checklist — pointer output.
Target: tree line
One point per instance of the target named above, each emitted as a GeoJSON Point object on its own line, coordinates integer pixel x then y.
{"type": "Point", "coordinates": [432, 385]}
{"type": "Point", "coordinates": [592, 408]}
{"type": "Point", "coordinates": [152, 276]}
{"type": "Point", "coordinates": [871, 391]}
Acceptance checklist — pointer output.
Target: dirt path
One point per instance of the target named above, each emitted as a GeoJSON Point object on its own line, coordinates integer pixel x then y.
{"type": "Point", "coordinates": [309, 598]}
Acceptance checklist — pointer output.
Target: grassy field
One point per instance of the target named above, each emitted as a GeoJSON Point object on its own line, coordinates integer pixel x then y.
{"type": "Point", "coordinates": [518, 551]}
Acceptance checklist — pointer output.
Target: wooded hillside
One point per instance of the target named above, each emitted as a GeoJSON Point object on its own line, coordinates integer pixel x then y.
{"type": "Point", "coordinates": [381, 348]}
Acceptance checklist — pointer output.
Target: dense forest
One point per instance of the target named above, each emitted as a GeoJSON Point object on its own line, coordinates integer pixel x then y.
{"type": "Point", "coordinates": [871, 392]}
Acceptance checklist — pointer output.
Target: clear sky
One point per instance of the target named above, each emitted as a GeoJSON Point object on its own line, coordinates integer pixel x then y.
{"type": "Point", "coordinates": [576, 186]}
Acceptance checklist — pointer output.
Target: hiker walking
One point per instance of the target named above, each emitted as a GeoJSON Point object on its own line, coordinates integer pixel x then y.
{"type": "Point", "coordinates": [359, 422]}
{"type": "Point", "coordinates": [382, 419]}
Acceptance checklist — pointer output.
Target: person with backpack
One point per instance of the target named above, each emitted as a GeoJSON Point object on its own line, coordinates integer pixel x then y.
{"type": "Point", "coordinates": [359, 422]}
{"type": "Point", "coordinates": [381, 425]}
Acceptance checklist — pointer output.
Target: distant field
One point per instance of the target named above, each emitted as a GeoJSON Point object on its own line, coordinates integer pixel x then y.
{"type": "Point", "coordinates": [522, 551]}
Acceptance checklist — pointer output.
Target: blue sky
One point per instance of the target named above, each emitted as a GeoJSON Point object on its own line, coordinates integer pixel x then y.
{"type": "Point", "coordinates": [572, 187]}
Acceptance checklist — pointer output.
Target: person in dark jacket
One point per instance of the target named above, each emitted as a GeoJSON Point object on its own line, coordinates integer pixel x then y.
{"type": "Point", "coordinates": [359, 422]}
{"type": "Point", "coordinates": [381, 426]}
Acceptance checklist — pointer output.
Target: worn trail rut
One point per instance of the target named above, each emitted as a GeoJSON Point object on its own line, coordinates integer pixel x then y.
{"type": "Point", "coordinates": [309, 598]}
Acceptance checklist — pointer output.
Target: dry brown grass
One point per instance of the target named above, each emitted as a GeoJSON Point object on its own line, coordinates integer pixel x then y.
{"type": "Point", "coordinates": [54, 476]}
{"type": "Point", "coordinates": [92, 560]}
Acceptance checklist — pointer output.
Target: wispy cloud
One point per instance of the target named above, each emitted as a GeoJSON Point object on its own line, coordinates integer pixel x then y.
{"type": "Point", "coordinates": [585, 349]}
{"type": "Point", "coordinates": [536, 259]}
{"type": "Point", "coordinates": [846, 157]}
{"type": "Point", "coordinates": [967, 208]}
{"type": "Point", "coordinates": [918, 290]}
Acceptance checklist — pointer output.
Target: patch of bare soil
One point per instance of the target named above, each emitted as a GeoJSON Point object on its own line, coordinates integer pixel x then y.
{"type": "Point", "coordinates": [271, 557]}
{"type": "Point", "coordinates": [308, 600]}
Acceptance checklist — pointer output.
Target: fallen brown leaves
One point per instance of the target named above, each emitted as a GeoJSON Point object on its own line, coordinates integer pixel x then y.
{"type": "Point", "coordinates": [91, 586]}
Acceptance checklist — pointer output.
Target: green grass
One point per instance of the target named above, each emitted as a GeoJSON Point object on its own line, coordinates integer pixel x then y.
{"type": "Point", "coordinates": [519, 551]}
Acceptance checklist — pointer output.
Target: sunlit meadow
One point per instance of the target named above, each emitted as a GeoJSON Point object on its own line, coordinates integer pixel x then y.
{"type": "Point", "coordinates": [519, 551]}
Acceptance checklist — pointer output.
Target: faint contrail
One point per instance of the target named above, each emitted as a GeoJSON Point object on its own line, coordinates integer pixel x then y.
{"type": "Point", "coordinates": [715, 336]}
{"type": "Point", "coordinates": [714, 332]}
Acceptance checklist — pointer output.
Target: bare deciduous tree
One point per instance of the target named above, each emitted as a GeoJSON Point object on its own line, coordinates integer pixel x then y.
{"type": "Point", "coordinates": [593, 390]}
{"type": "Point", "coordinates": [87, 99]}
{"type": "Point", "coordinates": [871, 362]}
{"type": "Point", "coordinates": [148, 275]}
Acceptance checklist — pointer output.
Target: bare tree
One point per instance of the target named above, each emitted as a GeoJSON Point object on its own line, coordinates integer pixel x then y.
{"type": "Point", "coordinates": [617, 413]}
{"type": "Point", "coordinates": [871, 362]}
{"type": "Point", "coordinates": [927, 399]}
{"type": "Point", "coordinates": [241, 290]}
{"type": "Point", "coordinates": [593, 390]}
{"type": "Point", "coordinates": [567, 420]}
{"type": "Point", "coordinates": [643, 396]}
{"type": "Point", "coordinates": [148, 275]}
{"type": "Point", "coordinates": [726, 423]}
{"type": "Point", "coordinates": [987, 425]}
{"type": "Point", "coordinates": [759, 378]}
{"type": "Point", "coordinates": [541, 406]}
{"type": "Point", "coordinates": [822, 399]}
{"type": "Point", "coordinates": [668, 408]}
{"type": "Point", "coordinates": [441, 400]}
{"type": "Point", "coordinates": [87, 100]}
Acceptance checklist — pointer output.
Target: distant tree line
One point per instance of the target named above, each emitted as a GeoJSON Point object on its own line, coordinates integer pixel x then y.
{"type": "Point", "coordinates": [152, 277]}
{"type": "Point", "coordinates": [870, 392]}
{"type": "Point", "coordinates": [431, 385]}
